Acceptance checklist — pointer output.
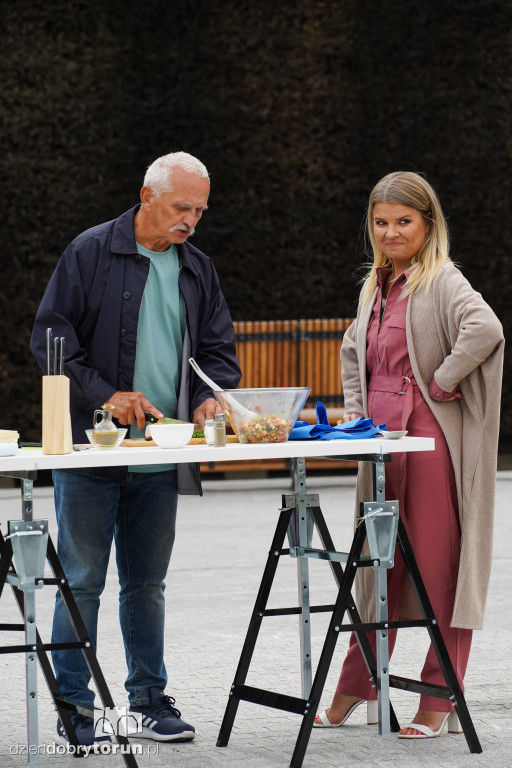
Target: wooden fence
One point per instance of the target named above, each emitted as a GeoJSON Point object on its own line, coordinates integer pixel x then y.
{"type": "Point", "coordinates": [293, 353]}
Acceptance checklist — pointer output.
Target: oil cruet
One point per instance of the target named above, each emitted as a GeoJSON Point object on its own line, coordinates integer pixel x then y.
{"type": "Point", "coordinates": [104, 430]}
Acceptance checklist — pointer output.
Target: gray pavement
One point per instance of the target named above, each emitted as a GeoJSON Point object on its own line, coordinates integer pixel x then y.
{"type": "Point", "coordinates": [221, 548]}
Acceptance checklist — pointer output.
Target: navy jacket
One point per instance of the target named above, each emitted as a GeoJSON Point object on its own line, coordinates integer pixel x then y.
{"type": "Point", "coordinates": [93, 300]}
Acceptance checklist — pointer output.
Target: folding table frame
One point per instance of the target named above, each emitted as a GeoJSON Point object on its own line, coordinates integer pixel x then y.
{"type": "Point", "coordinates": [299, 515]}
{"type": "Point", "coordinates": [23, 553]}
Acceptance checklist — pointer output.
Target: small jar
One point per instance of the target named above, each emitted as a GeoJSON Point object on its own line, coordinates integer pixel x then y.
{"type": "Point", "coordinates": [208, 431]}
{"type": "Point", "coordinates": [219, 430]}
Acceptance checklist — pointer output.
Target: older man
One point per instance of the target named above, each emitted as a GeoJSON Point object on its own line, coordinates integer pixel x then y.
{"type": "Point", "coordinates": [134, 300]}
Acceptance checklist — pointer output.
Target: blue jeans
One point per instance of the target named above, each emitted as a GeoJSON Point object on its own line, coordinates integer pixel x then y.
{"type": "Point", "coordinates": [140, 514]}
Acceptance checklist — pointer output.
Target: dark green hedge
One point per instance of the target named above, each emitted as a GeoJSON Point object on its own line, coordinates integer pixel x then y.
{"type": "Point", "coordinates": [297, 108]}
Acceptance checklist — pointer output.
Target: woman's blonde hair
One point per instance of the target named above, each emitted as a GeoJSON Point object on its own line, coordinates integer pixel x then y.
{"type": "Point", "coordinates": [412, 190]}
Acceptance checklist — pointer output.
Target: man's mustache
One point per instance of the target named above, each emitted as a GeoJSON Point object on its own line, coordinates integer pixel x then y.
{"type": "Point", "coordinates": [182, 228]}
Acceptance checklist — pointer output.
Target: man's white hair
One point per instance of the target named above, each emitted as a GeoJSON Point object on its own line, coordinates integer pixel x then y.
{"type": "Point", "coordinates": [159, 174]}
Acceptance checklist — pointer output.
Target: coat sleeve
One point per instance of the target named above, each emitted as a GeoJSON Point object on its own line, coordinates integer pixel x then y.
{"type": "Point", "coordinates": [470, 324]}
{"type": "Point", "coordinates": [212, 337]}
{"type": "Point", "coordinates": [62, 309]}
{"type": "Point", "coordinates": [350, 371]}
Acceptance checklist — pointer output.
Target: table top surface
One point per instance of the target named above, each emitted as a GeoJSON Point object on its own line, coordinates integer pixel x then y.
{"type": "Point", "coordinates": [34, 459]}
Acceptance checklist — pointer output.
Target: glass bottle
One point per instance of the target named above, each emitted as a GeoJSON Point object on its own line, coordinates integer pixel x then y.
{"type": "Point", "coordinates": [209, 434]}
{"type": "Point", "coordinates": [219, 430]}
{"type": "Point", "coordinates": [104, 430]}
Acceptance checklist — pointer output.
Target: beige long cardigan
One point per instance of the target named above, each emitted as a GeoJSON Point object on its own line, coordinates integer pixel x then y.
{"type": "Point", "coordinates": [452, 333]}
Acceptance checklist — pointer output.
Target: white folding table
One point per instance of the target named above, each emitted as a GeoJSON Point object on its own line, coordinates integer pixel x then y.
{"type": "Point", "coordinates": [299, 514]}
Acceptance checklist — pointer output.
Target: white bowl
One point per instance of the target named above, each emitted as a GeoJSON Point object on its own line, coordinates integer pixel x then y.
{"type": "Point", "coordinates": [8, 449]}
{"type": "Point", "coordinates": [171, 435]}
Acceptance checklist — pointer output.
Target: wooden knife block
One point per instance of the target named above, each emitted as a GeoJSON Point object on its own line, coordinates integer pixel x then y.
{"type": "Point", "coordinates": [57, 437]}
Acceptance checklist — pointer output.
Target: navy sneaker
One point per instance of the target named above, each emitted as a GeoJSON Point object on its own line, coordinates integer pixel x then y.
{"type": "Point", "coordinates": [84, 729]}
{"type": "Point", "coordinates": [161, 720]}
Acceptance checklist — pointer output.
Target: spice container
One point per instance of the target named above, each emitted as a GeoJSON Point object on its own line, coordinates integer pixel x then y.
{"type": "Point", "coordinates": [208, 431]}
{"type": "Point", "coordinates": [219, 430]}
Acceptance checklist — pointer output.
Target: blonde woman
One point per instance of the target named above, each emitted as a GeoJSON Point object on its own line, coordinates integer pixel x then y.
{"type": "Point", "coordinates": [425, 354]}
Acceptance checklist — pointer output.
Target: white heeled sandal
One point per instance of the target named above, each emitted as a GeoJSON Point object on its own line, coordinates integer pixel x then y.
{"type": "Point", "coordinates": [372, 716]}
{"type": "Point", "coordinates": [424, 732]}
{"type": "Point", "coordinates": [372, 712]}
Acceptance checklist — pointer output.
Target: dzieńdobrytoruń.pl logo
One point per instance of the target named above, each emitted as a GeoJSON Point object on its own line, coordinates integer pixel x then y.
{"type": "Point", "coordinates": [68, 749]}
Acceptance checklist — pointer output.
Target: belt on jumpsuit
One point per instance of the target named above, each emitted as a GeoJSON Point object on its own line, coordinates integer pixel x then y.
{"type": "Point", "coordinates": [398, 385]}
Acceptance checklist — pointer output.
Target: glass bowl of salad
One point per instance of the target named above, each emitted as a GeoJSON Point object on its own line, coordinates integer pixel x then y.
{"type": "Point", "coordinates": [264, 415]}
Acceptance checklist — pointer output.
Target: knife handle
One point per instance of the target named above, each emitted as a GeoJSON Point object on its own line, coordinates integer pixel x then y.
{"type": "Point", "coordinates": [49, 351]}
{"type": "Point", "coordinates": [55, 356]}
{"type": "Point", "coordinates": [62, 343]}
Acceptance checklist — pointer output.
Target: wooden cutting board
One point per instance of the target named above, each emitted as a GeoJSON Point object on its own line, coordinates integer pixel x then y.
{"type": "Point", "coordinates": [137, 442]}
{"type": "Point", "coordinates": [141, 442]}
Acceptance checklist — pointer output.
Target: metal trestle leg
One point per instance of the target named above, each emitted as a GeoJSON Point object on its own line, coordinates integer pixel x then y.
{"type": "Point", "coordinates": [300, 516]}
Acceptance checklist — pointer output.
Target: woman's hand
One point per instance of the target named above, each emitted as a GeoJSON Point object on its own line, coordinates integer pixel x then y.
{"type": "Point", "coordinates": [350, 417]}
{"type": "Point", "coordinates": [453, 396]}
{"type": "Point", "coordinates": [436, 393]}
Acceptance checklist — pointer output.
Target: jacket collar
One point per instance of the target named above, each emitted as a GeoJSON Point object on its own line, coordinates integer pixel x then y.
{"type": "Point", "coordinates": [123, 236]}
{"type": "Point", "coordinates": [123, 240]}
{"type": "Point", "coordinates": [384, 272]}
{"type": "Point", "coordinates": [186, 253]}
{"type": "Point", "coordinates": [382, 275]}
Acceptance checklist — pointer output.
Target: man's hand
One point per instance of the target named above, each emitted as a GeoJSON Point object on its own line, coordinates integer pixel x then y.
{"type": "Point", "coordinates": [131, 407]}
{"type": "Point", "coordinates": [206, 410]}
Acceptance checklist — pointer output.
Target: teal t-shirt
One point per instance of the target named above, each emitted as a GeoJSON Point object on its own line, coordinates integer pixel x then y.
{"type": "Point", "coordinates": [160, 332]}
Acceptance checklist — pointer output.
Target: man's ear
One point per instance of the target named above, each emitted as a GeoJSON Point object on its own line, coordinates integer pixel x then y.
{"type": "Point", "coordinates": [146, 196]}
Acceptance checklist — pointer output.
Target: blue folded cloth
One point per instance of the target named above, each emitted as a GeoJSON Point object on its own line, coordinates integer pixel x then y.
{"type": "Point", "coordinates": [357, 429]}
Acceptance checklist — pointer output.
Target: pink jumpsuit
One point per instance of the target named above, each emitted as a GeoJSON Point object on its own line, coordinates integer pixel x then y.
{"type": "Point", "coordinates": [424, 484]}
